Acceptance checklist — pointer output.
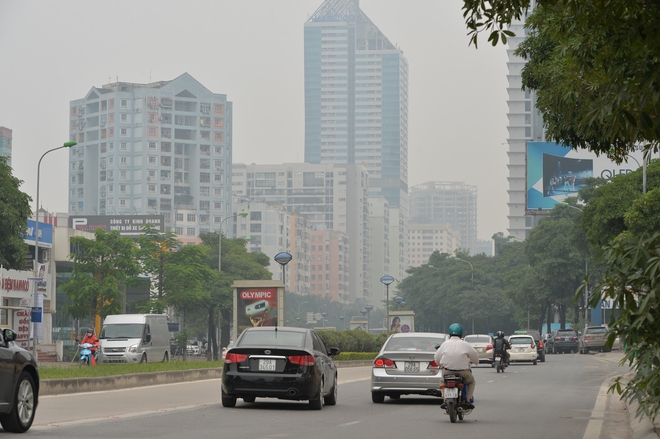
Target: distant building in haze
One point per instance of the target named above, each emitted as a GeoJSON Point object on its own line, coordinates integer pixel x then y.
{"type": "Point", "coordinates": [5, 143]}
{"type": "Point", "coordinates": [428, 238]}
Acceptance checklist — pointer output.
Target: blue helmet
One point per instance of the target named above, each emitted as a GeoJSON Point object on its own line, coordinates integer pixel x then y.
{"type": "Point", "coordinates": [456, 329]}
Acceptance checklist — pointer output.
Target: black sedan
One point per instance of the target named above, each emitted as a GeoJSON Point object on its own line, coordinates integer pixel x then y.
{"type": "Point", "coordinates": [19, 385]}
{"type": "Point", "coordinates": [285, 363]}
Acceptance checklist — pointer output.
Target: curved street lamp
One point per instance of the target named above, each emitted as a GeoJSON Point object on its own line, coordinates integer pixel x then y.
{"type": "Point", "coordinates": [368, 308]}
{"type": "Point", "coordinates": [387, 280]}
{"type": "Point", "coordinates": [36, 246]}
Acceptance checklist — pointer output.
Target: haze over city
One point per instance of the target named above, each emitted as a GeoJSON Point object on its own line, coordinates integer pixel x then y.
{"type": "Point", "coordinates": [252, 52]}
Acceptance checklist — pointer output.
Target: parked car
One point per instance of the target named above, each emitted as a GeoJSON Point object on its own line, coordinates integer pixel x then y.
{"type": "Point", "coordinates": [134, 338]}
{"type": "Point", "coordinates": [19, 385]}
{"type": "Point", "coordinates": [280, 362]}
{"type": "Point", "coordinates": [405, 366]}
{"type": "Point", "coordinates": [194, 348]}
{"type": "Point", "coordinates": [562, 340]}
{"type": "Point", "coordinates": [592, 338]}
{"type": "Point", "coordinates": [483, 344]}
{"type": "Point", "coordinates": [538, 340]}
{"type": "Point", "coordinates": [523, 348]}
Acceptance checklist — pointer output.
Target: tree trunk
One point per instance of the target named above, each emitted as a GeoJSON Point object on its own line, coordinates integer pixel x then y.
{"type": "Point", "coordinates": [549, 322]}
{"type": "Point", "coordinates": [212, 343]}
{"type": "Point", "coordinates": [224, 328]}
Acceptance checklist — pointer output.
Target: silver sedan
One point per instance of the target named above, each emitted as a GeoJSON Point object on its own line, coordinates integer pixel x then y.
{"type": "Point", "coordinates": [405, 366]}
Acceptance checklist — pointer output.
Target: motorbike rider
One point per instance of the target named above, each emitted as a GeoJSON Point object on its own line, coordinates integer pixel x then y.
{"type": "Point", "coordinates": [502, 346]}
{"type": "Point", "coordinates": [91, 339]}
{"type": "Point", "coordinates": [455, 356]}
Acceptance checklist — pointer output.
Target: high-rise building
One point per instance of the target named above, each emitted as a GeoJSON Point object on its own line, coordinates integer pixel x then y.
{"type": "Point", "coordinates": [525, 124]}
{"type": "Point", "coordinates": [428, 238]}
{"type": "Point", "coordinates": [158, 148]}
{"type": "Point", "coordinates": [329, 196]}
{"type": "Point", "coordinates": [5, 143]}
{"type": "Point", "coordinates": [356, 106]}
{"type": "Point", "coordinates": [441, 202]}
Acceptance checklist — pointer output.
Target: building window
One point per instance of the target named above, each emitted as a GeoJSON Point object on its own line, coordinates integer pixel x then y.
{"type": "Point", "coordinates": [204, 206]}
{"type": "Point", "coordinates": [122, 202]}
{"type": "Point", "coordinates": [191, 217]}
{"type": "Point", "coordinates": [204, 177]}
{"type": "Point", "coordinates": [123, 132]}
{"type": "Point", "coordinates": [190, 231]}
{"type": "Point", "coordinates": [122, 175]}
{"type": "Point", "coordinates": [123, 103]}
{"type": "Point", "coordinates": [151, 188]}
{"type": "Point", "coordinates": [204, 191]}
{"type": "Point", "coordinates": [123, 117]}
{"type": "Point", "coordinates": [152, 146]}
{"type": "Point", "coordinates": [178, 230]}
{"type": "Point", "coordinates": [123, 160]}
{"type": "Point", "coordinates": [122, 188]}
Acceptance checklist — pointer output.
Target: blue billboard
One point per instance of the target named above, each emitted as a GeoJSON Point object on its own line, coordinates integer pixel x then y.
{"type": "Point", "coordinates": [45, 234]}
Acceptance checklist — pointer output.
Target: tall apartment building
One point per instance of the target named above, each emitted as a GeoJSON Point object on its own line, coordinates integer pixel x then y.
{"type": "Point", "coordinates": [329, 265]}
{"type": "Point", "coordinates": [441, 202]}
{"type": "Point", "coordinates": [428, 238]}
{"type": "Point", "coordinates": [158, 148]}
{"type": "Point", "coordinates": [356, 106]}
{"type": "Point", "coordinates": [379, 245]}
{"type": "Point", "coordinates": [329, 196]}
{"type": "Point", "coordinates": [525, 124]}
{"type": "Point", "coordinates": [5, 143]}
{"type": "Point", "coordinates": [270, 230]}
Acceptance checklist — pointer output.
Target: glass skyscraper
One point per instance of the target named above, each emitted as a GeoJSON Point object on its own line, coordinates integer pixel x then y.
{"type": "Point", "coordinates": [356, 104]}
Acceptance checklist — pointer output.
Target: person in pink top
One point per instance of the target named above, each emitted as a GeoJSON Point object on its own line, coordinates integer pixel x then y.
{"type": "Point", "coordinates": [455, 356]}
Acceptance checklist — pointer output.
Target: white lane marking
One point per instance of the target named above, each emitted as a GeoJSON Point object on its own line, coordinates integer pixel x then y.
{"type": "Point", "coordinates": [353, 381]}
{"type": "Point", "coordinates": [595, 424]}
{"type": "Point", "coordinates": [349, 423]}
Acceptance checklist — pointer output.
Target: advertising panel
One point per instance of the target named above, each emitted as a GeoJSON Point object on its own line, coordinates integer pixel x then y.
{"type": "Point", "coordinates": [127, 225]}
{"type": "Point", "coordinates": [257, 303]}
{"type": "Point", "coordinates": [402, 322]}
{"type": "Point", "coordinates": [556, 172]}
{"type": "Point", "coordinates": [45, 234]}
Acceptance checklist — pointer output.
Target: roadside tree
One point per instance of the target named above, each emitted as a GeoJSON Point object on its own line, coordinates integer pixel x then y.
{"type": "Point", "coordinates": [14, 209]}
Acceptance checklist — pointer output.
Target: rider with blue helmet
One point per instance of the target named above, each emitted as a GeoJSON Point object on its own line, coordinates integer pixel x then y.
{"type": "Point", "coordinates": [456, 356]}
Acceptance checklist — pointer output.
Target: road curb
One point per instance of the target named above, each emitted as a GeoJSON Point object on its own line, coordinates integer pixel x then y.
{"type": "Point", "coordinates": [80, 385]}
{"type": "Point", "coordinates": [642, 428]}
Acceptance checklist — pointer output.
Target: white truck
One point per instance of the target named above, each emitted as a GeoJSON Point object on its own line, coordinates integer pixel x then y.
{"type": "Point", "coordinates": [134, 338]}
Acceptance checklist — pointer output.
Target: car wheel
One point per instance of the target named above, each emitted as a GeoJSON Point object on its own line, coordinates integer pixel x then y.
{"type": "Point", "coordinates": [331, 398]}
{"type": "Point", "coordinates": [317, 402]}
{"type": "Point", "coordinates": [144, 358]}
{"type": "Point", "coordinates": [228, 401]}
{"type": "Point", "coordinates": [542, 358]}
{"type": "Point", "coordinates": [20, 418]}
{"type": "Point", "coordinates": [249, 399]}
{"type": "Point", "coordinates": [575, 350]}
{"type": "Point", "coordinates": [534, 362]}
{"type": "Point", "coordinates": [395, 396]}
{"type": "Point", "coordinates": [553, 350]}
{"type": "Point", "coordinates": [166, 357]}
{"type": "Point", "coordinates": [377, 397]}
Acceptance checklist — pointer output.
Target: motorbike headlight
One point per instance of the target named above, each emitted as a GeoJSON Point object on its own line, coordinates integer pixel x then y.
{"type": "Point", "coordinates": [133, 349]}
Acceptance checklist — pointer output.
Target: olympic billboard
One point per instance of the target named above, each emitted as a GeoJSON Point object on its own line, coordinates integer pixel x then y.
{"type": "Point", "coordinates": [556, 172]}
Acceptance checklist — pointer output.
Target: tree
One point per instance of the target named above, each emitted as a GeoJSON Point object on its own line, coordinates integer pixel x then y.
{"type": "Point", "coordinates": [102, 266]}
{"type": "Point", "coordinates": [594, 66]}
{"type": "Point", "coordinates": [14, 209]}
{"type": "Point", "coordinates": [632, 284]}
{"type": "Point", "coordinates": [155, 247]}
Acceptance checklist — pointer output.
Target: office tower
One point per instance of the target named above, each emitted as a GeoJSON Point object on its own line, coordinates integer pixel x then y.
{"type": "Point", "coordinates": [329, 196]}
{"type": "Point", "coordinates": [441, 202]}
{"type": "Point", "coordinates": [158, 148]}
{"type": "Point", "coordinates": [5, 143]}
{"type": "Point", "coordinates": [525, 124]}
{"type": "Point", "coordinates": [428, 238]}
{"type": "Point", "coordinates": [356, 106]}
{"type": "Point", "coordinates": [329, 264]}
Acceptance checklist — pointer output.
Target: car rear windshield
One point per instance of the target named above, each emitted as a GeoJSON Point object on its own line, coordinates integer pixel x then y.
{"type": "Point", "coordinates": [599, 330]}
{"type": "Point", "coordinates": [272, 338]}
{"type": "Point", "coordinates": [521, 340]}
{"type": "Point", "coordinates": [413, 343]}
{"type": "Point", "coordinates": [477, 339]}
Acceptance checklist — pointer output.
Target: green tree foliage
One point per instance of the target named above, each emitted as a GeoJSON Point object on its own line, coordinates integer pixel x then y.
{"type": "Point", "coordinates": [632, 283]}
{"type": "Point", "coordinates": [616, 205]}
{"type": "Point", "coordinates": [102, 266]}
{"type": "Point", "coordinates": [594, 66]}
{"type": "Point", "coordinates": [14, 210]}
{"type": "Point", "coordinates": [237, 264]}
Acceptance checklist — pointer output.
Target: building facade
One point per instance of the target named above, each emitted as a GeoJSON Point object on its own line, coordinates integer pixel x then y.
{"type": "Point", "coordinates": [525, 123]}
{"type": "Point", "coordinates": [356, 103]}
{"type": "Point", "coordinates": [329, 265]}
{"type": "Point", "coordinates": [153, 148]}
{"type": "Point", "coordinates": [329, 196]}
{"type": "Point", "coordinates": [428, 238]}
{"type": "Point", "coordinates": [5, 143]}
{"type": "Point", "coordinates": [455, 203]}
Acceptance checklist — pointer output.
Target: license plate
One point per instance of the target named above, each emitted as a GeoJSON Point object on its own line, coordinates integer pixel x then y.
{"type": "Point", "coordinates": [451, 393]}
{"type": "Point", "coordinates": [411, 366]}
{"type": "Point", "coordinates": [268, 365]}
{"type": "Point", "coordinates": [520, 349]}
{"type": "Point", "coordinates": [480, 349]}
{"type": "Point", "coordinates": [497, 359]}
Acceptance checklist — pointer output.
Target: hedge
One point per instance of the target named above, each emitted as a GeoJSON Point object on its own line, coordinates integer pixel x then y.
{"type": "Point", "coordinates": [353, 341]}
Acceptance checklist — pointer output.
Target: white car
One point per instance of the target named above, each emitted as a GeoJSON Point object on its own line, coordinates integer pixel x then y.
{"type": "Point", "coordinates": [483, 344]}
{"type": "Point", "coordinates": [523, 348]}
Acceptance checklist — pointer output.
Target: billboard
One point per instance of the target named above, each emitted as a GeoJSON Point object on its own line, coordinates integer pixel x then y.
{"type": "Point", "coordinates": [402, 321]}
{"type": "Point", "coordinates": [127, 225]}
{"type": "Point", "coordinates": [556, 172]}
{"type": "Point", "coordinates": [45, 234]}
{"type": "Point", "coordinates": [257, 303]}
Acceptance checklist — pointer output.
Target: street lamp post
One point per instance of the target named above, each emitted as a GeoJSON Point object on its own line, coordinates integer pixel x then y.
{"type": "Point", "coordinates": [36, 245]}
{"type": "Point", "coordinates": [242, 215]}
{"type": "Point", "coordinates": [368, 308]}
{"type": "Point", "coordinates": [299, 305]}
{"type": "Point", "coordinates": [387, 280]}
{"type": "Point", "coordinates": [471, 279]}
{"type": "Point", "coordinates": [343, 327]}
{"type": "Point", "coordinates": [283, 258]}
{"type": "Point", "coordinates": [643, 174]}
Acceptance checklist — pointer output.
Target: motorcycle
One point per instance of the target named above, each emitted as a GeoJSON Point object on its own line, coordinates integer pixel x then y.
{"type": "Point", "coordinates": [455, 395]}
{"type": "Point", "coordinates": [86, 355]}
{"type": "Point", "coordinates": [499, 363]}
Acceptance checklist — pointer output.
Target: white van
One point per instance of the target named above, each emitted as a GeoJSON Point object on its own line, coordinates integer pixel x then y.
{"type": "Point", "coordinates": [134, 338]}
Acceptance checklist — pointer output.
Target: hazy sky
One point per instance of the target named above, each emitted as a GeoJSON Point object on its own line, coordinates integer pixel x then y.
{"type": "Point", "coordinates": [251, 50]}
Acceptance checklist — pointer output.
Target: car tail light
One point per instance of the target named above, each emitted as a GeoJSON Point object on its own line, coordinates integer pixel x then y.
{"type": "Point", "coordinates": [433, 365]}
{"type": "Point", "coordinates": [574, 338]}
{"type": "Point", "coordinates": [558, 339]}
{"type": "Point", "coordinates": [302, 360]}
{"type": "Point", "coordinates": [540, 344]}
{"type": "Point", "coordinates": [384, 363]}
{"type": "Point", "coordinates": [587, 337]}
{"type": "Point", "coordinates": [489, 347]}
{"type": "Point", "coordinates": [533, 346]}
{"type": "Point", "coordinates": [235, 358]}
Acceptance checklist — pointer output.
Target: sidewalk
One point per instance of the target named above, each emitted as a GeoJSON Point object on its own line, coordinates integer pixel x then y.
{"type": "Point", "coordinates": [641, 428]}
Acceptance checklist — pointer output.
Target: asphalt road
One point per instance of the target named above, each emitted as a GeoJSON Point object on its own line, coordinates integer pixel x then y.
{"type": "Point", "coordinates": [557, 399]}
